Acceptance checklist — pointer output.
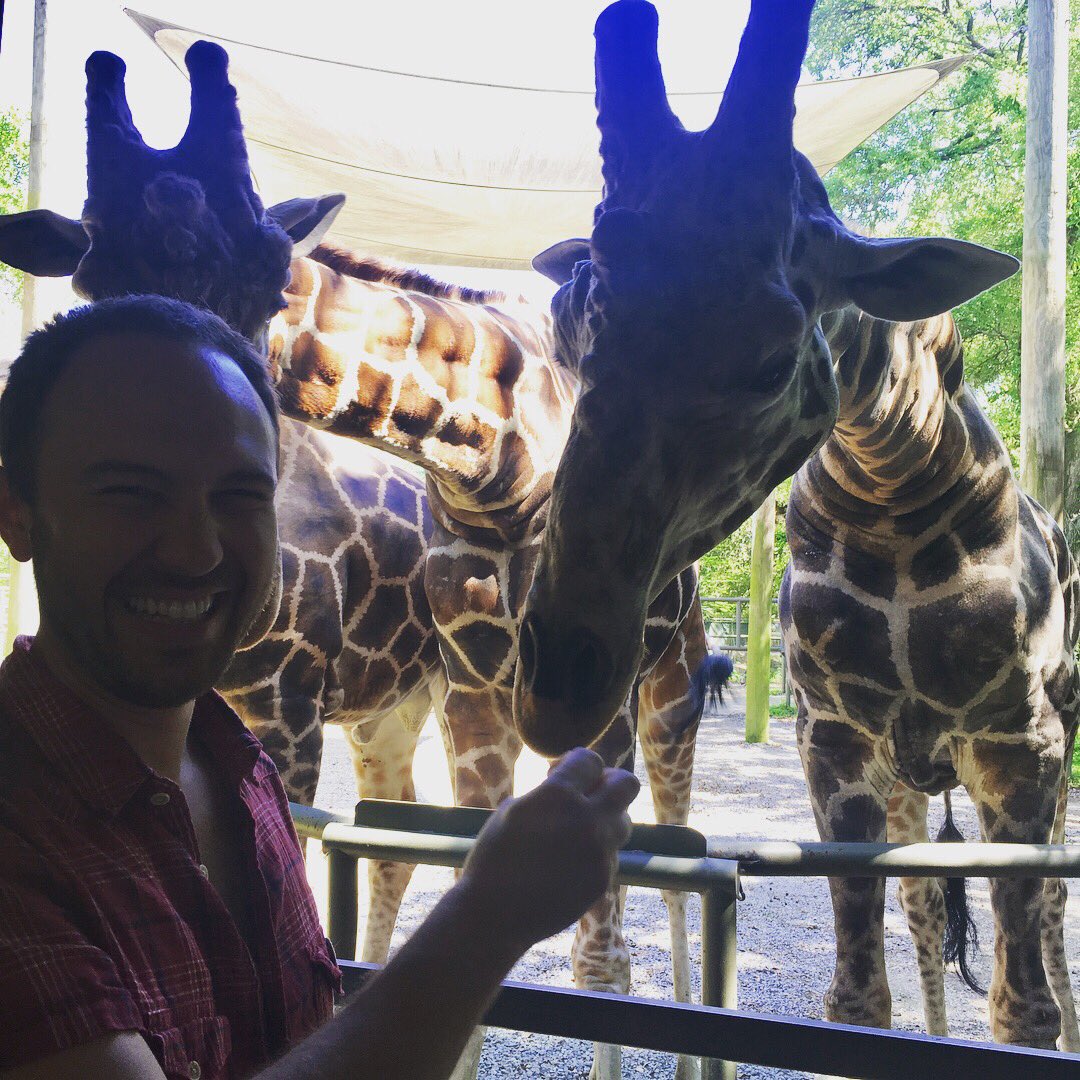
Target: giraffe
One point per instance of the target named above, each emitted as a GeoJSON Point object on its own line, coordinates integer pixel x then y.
{"type": "Point", "coordinates": [929, 616]}
{"type": "Point", "coordinates": [463, 384]}
{"type": "Point", "coordinates": [697, 326]}
{"type": "Point", "coordinates": [691, 317]}
{"type": "Point", "coordinates": [353, 643]}
{"type": "Point", "coordinates": [489, 461]}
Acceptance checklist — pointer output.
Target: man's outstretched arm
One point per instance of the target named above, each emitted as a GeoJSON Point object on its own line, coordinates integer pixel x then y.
{"type": "Point", "coordinates": [540, 862]}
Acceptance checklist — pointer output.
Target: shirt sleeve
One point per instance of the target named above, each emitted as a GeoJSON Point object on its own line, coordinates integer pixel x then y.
{"type": "Point", "coordinates": [57, 989]}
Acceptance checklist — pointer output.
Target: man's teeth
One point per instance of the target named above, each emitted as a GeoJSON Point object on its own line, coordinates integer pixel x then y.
{"type": "Point", "coordinates": [170, 609]}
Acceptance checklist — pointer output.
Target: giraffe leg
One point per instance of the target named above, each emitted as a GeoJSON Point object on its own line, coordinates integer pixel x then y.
{"type": "Point", "coordinates": [382, 756]}
{"type": "Point", "coordinates": [1052, 930]}
{"type": "Point", "coordinates": [667, 731]}
{"type": "Point", "coordinates": [923, 901]}
{"type": "Point", "coordinates": [483, 749]}
{"type": "Point", "coordinates": [1015, 789]}
{"type": "Point", "coordinates": [849, 789]}
{"type": "Point", "coordinates": [599, 956]}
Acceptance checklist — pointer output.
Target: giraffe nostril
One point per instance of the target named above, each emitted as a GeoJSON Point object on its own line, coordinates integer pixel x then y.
{"type": "Point", "coordinates": [528, 653]}
{"type": "Point", "coordinates": [589, 670]}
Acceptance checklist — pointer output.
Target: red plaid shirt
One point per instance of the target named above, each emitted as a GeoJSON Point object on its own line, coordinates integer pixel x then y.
{"type": "Point", "coordinates": [107, 923]}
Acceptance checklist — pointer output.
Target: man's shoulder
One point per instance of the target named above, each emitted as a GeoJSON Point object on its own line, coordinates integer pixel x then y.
{"type": "Point", "coordinates": [28, 787]}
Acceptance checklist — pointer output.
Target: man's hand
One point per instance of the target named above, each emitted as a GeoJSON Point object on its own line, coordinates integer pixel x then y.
{"type": "Point", "coordinates": [544, 858]}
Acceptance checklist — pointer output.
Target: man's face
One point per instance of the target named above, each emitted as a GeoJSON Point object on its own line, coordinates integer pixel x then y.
{"type": "Point", "coordinates": [153, 532]}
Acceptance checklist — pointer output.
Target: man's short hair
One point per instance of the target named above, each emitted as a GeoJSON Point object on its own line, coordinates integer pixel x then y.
{"type": "Point", "coordinates": [47, 352]}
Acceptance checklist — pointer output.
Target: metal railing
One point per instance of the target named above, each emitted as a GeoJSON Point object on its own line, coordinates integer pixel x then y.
{"type": "Point", "coordinates": [681, 860]}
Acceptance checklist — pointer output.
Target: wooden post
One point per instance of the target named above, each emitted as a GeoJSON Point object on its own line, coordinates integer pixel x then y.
{"type": "Point", "coordinates": [1042, 354]}
{"type": "Point", "coordinates": [22, 598]}
{"type": "Point", "coordinates": [759, 632]}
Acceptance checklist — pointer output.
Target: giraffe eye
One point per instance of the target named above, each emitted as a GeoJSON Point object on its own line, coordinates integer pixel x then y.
{"type": "Point", "coordinates": [775, 372]}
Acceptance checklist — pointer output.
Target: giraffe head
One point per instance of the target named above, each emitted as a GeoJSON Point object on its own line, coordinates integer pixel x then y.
{"type": "Point", "coordinates": [185, 222]}
{"type": "Point", "coordinates": [692, 318]}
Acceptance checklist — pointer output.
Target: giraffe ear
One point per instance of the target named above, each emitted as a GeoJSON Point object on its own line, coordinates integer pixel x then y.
{"type": "Point", "coordinates": [307, 221]}
{"type": "Point", "coordinates": [904, 280]}
{"type": "Point", "coordinates": [42, 243]}
{"type": "Point", "coordinates": [558, 261]}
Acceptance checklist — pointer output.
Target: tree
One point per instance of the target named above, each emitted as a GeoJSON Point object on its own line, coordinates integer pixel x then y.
{"type": "Point", "coordinates": [953, 163]}
{"type": "Point", "coordinates": [14, 167]}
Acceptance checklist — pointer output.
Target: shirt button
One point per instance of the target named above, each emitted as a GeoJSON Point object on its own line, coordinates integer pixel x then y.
{"type": "Point", "coordinates": [159, 798]}
{"type": "Point", "coordinates": [194, 1070]}
{"type": "Point", "coordinates": [202, 870]}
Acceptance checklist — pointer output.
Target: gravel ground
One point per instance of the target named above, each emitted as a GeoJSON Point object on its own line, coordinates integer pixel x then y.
{"type": "Point", "coordinates": [785, 924]}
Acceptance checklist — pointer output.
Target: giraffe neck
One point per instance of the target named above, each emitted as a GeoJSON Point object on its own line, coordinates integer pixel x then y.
{"type": "Point", "coordinates": [465, 389]}
{"type": "Point", "coordinates": [910, 440]}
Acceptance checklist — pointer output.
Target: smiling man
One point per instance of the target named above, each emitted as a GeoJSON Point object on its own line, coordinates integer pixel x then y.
{"type": "Point", "coordinates": [155, 919]}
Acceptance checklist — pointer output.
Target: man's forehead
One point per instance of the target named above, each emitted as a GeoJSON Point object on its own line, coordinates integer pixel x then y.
{"type": "Point", "coordinates": [158, 396]}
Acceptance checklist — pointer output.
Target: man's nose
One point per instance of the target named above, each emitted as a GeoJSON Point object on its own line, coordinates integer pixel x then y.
{"type": "Point", "coordinates": [190, 542]}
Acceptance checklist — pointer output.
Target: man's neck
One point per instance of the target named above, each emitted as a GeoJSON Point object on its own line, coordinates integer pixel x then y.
{"type": "Point", "coordinates": [158, 736]}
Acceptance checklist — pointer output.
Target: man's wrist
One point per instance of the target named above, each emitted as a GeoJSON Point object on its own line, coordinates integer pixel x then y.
{"type": "Point", "coordinates": [485, 919]}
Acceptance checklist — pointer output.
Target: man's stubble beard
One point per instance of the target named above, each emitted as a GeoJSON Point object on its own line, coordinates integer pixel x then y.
{"type": "Point", "coordinates": [106, 664]}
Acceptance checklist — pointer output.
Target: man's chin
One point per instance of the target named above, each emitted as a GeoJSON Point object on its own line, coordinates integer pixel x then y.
{"type": "Point", "coordinates": [170, 681]}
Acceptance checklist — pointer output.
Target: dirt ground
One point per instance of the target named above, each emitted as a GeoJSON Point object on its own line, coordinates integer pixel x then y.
{"type": "Point", "coordinates": [785, 924]}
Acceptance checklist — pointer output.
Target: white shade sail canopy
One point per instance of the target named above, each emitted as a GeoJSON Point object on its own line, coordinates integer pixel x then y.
{"type": "Point", "coordinates": [426, 182]}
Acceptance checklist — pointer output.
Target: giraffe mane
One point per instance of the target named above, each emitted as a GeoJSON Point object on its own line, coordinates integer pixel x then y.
{"type": "Point", "coordinates": [367, 268]}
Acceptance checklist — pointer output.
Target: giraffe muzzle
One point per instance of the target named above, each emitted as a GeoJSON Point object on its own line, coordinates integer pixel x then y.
{"type": "Point", "coordinates": [563, 688]}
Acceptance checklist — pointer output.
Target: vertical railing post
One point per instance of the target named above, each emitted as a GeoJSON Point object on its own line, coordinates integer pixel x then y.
{"type": "Point", "coordinates": [343, 902]}
{"type": "Point", "coordinates": [719, 959]}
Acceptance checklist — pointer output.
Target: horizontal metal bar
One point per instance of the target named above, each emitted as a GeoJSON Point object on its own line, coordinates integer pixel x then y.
{"type": "Point", "coordinates": [635, 867]}
{"type": "Point", "coordinates": [781, 858]}
{"type": "Point", "coordinates": [310, 821]}
{"type": "Point", "coordinates": [773, 858]}
{"type": "Point", "coordinates": [778, 1042]}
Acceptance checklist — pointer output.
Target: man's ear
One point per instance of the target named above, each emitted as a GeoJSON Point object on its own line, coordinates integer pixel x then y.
{"type": "Point", "coordinates": [14, 520]}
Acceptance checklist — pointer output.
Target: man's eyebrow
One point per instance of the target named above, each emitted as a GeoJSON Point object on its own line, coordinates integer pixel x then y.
{"type": "Point", "coordinates": [102, 469]}
{"type": "Point", "coordinates": [249, 476]}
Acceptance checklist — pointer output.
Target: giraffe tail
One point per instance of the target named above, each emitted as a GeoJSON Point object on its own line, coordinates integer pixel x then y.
{"type": "Point", "coordinates": [961, 942]}
{"type": "Point", "coordinates": [707, 685]}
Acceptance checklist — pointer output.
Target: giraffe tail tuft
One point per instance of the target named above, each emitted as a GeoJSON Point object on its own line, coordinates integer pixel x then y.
{"type": "Point", "coordinates": [961, 943]}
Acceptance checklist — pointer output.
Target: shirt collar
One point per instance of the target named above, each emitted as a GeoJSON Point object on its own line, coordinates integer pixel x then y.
{"type": "Point", "coordinates": [99, 764]}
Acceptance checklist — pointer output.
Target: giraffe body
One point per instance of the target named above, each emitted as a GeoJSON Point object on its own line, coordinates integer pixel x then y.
{"type": "Point", "coordinates": [930, 619]}
{"type": "Point", "coordinates": [353, 641]}
{"type": "Point", "coordinates": [464, 385]}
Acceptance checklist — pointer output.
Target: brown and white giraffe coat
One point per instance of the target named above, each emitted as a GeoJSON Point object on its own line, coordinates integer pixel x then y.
{"type": "Point", "coordinates": [464, 385]}
{"type": "Point", "coordinates": [930, 619]}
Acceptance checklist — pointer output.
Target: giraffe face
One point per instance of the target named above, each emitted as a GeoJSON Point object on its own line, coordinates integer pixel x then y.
{"type": "Point", "coordinates": [692, 317]}
{"type": "Point", "coordinates": [705, 382]}
{"type": "Point", "coordinates": [161, 235]}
